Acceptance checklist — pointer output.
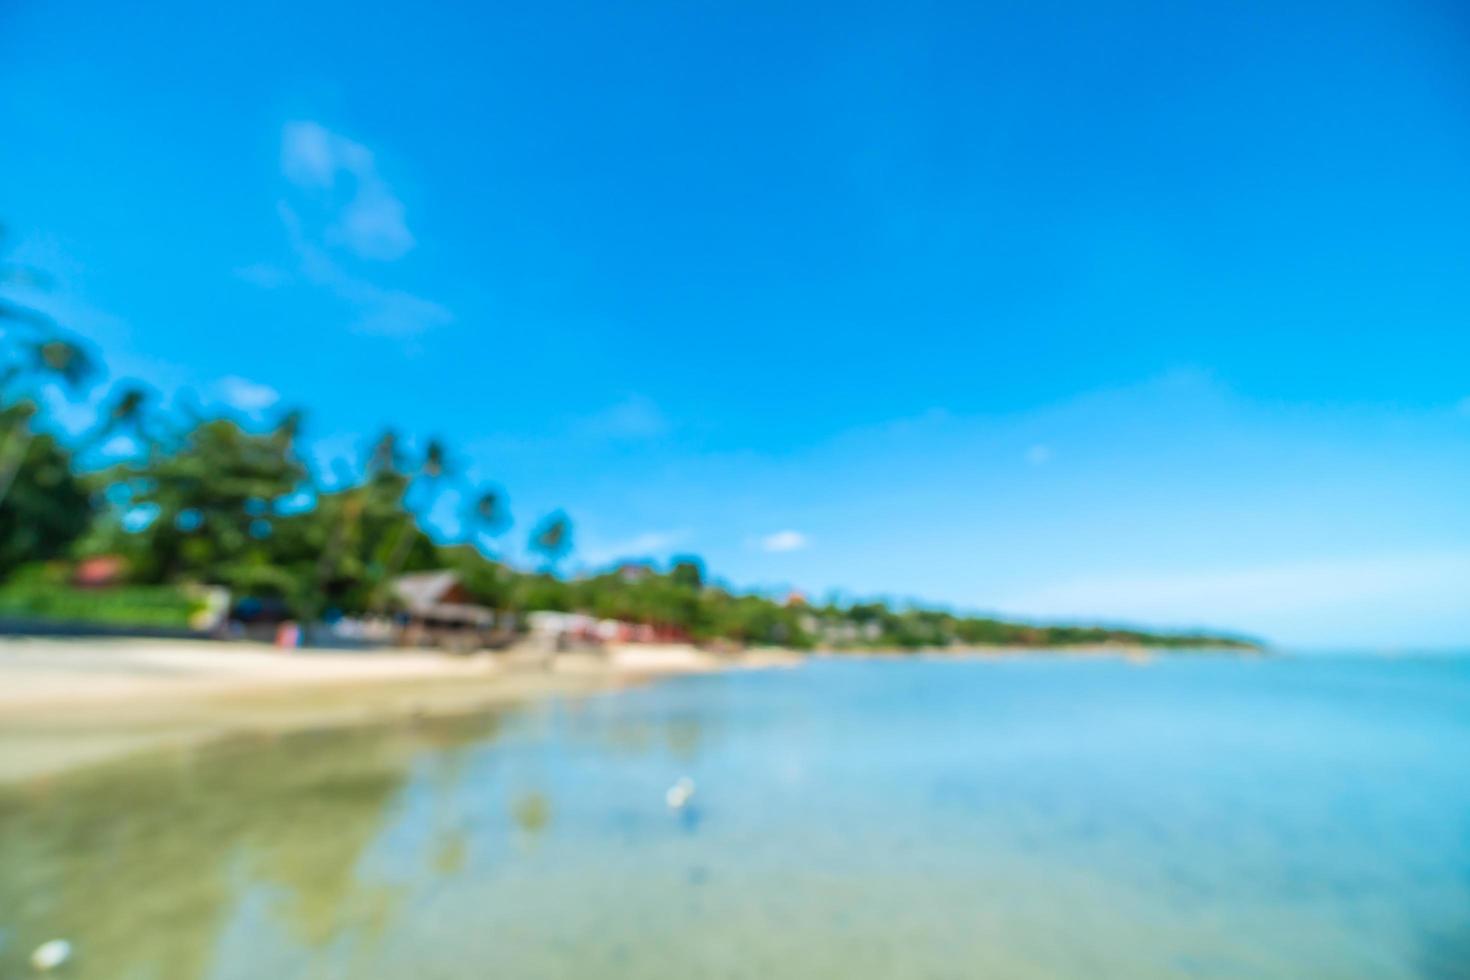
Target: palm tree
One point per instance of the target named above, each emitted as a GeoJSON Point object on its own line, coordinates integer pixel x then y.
{"type": "Point", "coordinates": [435, 462]}
{"type": "Point", "coordinates": [58, 360]}
{"type": "Point", "coordinates": [24, 276]}
{"type": "Point", "coordinates": [488, 517]}
{"type": "Point", "coordinates": [65, 360]}
{"type": "Point", "coordinates": [432, 469]}
{"type": "Point", "coordinates": [125, 415]}
{"type": "Point", "coordinates": [552, 538]}
{"type": "Point", "coordinates": [288, 430]}
{"type": "Point", "coordinates": [43, 353]}
{"type": "Point", "coordinates": [384, 457]}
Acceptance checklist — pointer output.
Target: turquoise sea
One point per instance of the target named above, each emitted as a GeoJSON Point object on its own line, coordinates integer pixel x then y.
{"type": "Point", "coordinates": [1195, 816]}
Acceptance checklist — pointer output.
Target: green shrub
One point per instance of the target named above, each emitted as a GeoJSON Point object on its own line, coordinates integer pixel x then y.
{"type": "Point", "coordinates": [128, 605]}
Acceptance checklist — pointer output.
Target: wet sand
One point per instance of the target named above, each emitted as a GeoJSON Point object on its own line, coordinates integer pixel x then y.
{"type": "Point", "coordinates": [69, 703]}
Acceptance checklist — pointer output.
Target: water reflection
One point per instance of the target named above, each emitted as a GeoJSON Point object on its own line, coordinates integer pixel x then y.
{"type": "Point", "coordinates": [532, 814]}
{"type": "Point", "coordinates": [857, 820]}
{"type": "Point", "coordinates": [193, 863]}
{"type": "Point", "coordinates": [140, 864]}
{"type": "Point", "coordinates": [681, 721]}
{"type": "Point", "coordinates": [452, 852]}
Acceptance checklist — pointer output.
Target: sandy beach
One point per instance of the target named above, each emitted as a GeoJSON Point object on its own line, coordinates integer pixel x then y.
{"type": "Point", "coordinates": [74, 702]}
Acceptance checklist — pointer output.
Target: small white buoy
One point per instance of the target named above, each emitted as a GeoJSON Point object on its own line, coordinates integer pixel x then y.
{"type": "Point", "coordinates": [50, 955]}
{"type": "Point", "coordinates": [680, 793]}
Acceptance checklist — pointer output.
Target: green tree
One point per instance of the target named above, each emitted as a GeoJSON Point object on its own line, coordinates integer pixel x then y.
{"type": "Point", "coordinates": [48, 508]}
{"type": "Point", "coordinates": [552, 539]}
{"type": "Point", "coordinates": [687, 572]}
{"type": "Point", "coordinates": [126, 414]}
{"type": "Point", "coordinates": [54, 360]}
{"type": "Point", "coordinates": [433, 468]}
{"type": "Point", "coordinates": [212, 507]}
{"type": "Point", "coordinates": [35, 354]}
{"type": "Point", "coordinates": [488, 517]}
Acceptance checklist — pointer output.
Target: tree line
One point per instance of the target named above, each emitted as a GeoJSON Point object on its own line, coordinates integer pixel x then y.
{"type": "Point", "coordinates": [200, 497]}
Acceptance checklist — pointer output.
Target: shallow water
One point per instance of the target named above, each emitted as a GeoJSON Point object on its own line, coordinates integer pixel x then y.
{"type": "Point", "coordinates": [1207, 817]}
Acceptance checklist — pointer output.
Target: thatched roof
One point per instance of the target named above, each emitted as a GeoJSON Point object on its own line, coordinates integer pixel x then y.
{"type": "Point", "coordinates": [419, 590]}
{"type": "Point", "coordinates": [437, 596]}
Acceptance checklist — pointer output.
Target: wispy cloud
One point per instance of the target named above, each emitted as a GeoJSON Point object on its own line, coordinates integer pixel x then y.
{"type": "Point", "coordinates": [386, 312]}
{"type": "Point", "coordinates": [649, 544]}
{"type": "Point", "coordinates": [245, 395]}
{"type": "Point", "coordinates": [341, 211]}
{"type": "Point", "coordinates": [379, 310]}
{"type": "Point", "coordinates": [1039, 455]}
{"type": "Point", "coordinates": [370, 222]}
{"type": "Point", "coordinates": [783, 541]}
{"type": "Point", "coordinates": [635, 417]}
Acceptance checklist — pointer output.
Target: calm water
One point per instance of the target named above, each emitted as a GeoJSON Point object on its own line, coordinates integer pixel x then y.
{"type": "Point", "coordinates": [1209, 818]}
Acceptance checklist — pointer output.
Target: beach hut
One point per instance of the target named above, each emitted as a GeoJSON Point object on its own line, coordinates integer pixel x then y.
{"type": "Point", "coordinates": [437, 610]}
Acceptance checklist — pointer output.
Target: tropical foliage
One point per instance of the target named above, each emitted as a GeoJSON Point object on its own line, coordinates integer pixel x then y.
{"type": "Point", "coordinates": [187, 499]}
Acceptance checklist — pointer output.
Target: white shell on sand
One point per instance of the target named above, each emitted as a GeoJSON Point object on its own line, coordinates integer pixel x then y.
{"type": "Point", "coordinates": [50, 955]}
{"type": "Point", "coordinates": [680, 793]}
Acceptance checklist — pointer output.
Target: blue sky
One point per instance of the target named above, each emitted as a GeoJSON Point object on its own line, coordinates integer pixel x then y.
{"type": "Point", "coordinates": [1156, 313]}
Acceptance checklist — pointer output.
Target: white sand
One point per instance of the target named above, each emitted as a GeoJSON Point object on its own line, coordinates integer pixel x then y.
{"type": "Point", "coordinates": [71, 702]}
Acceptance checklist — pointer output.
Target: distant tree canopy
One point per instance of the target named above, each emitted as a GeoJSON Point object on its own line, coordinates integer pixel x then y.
{"type": "Point", "coordinates": [687, 571]}
{"type": "Point", "coordinates": [48, 507]}
{"type": "Point", "coordinates": [213, 505]}
{"type": "Point", "coordinates": [221, 504]}
{"type": "Point", "coordinates": [552, 539]}
{"type": "Point", "coordinates": [44, 507]}
{"type": "Point", "coordinates": [208, 500]}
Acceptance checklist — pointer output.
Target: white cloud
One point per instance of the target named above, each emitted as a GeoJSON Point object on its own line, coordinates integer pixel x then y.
{"type": "Point", "coordinates": [1462, 407]}
{"type": "Point", "coordinates": [635, 417]}
{"type": "Point", "coordinates": [345, 211]}
{"type": "Point", "coordinates": [372, 226]}
{"type": "Point", "coordinates": [309, 154]}
{"type": "Point", "coordinates": [783, 541]}
{"type": "Point", "coordinates": [646, 545]}
{"type": "Point", "coordinates": [379, 310]}
{"type": "Point", "coordinates": [395, 313]}
{"type": "Point", "coordinates": [1039, 455]}
{"type": "Point", "coordinates": [371, 222]}
{"type": "Point", "coordinates": [246, 396]}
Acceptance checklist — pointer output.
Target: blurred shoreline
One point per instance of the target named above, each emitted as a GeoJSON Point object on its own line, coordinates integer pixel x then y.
{"type": "Point", "coordinates": [70, 703]}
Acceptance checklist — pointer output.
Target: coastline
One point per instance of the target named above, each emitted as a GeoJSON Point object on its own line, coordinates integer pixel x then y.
{"type": "Point", "coordinates": [70, 704]}
{"type": "Point", "coordinates": [1123, 651]}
